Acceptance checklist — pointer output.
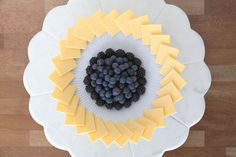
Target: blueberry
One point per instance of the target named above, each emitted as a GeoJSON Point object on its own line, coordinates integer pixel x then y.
{"type": "Point", "coordinates": [89, 89]}
{"type": "Point", "coordinates": [129, 80]}
{"type": "Point", "coordinates": [105, 71]}
{"type": "Point", "coordinates": [100, 102]}
{"type": "Point", "coordinates": [131, 86]}
{"type": "Point", "coordinates": [133, 78]}
{"type": "Point", "coordinates": [137, 61]}
{"type": "Point", "coordinates": [112, 58]}
{"type": "Point", "coordinates": [141, 90]}
{"type": "Point", "coordinates": [133, 90]}
{"type": "Point", "coordinates": [117, 71]}
{"type": "Point", "coordinates": [100, 62]}
{"type": "Point", "coordinates": [124, 74]}
{"type": "Point", "coordinates": [101, 75]}
{"type": "Point", "coordinates": [128, 95]}
{"type": "Point", "coordinates": [108, 61]}
{"type": "Point", "coordinates": [126, 90]}
{"type": "Point", "coordinates": [130, 64]}
{"type": "Point", "coordinates": [134, 67]}
{"type": "Point", "coordinates": [111, 72]}
{"type": "Point", "coordinates": [122, 101]}
{"type": "Point", "coordinates": [130, 72]}
{"type": "Point", "coordinates": [135, 97]}
{"type": "Point", "coordinates": [122, 67]}
{"type": "Point", "coordinates": [100, 68]}
{"type": "Point", "coordinates": [94, 96]}
{"type": "Point", "coordinates": [122, 86]}
{"type": "Point", "coordinates": [119, 60]}
{"type": "Point", "coordinates": [93, 83]}
{"type": "Point", "coordinates": [109, 101]}
{"type": "Point", "coordinates": [94, 66]}
{"type": "Point", "coordinates": [136, 84]}
{"type": "Point", "coordinates": [117, 105]}
{"type": "Point", "coordinates": [127, 103]}
{"type": "Point", "coordinates": [107, 88]}
{"type": "Point", "coordinates": [108, 106]}
{"type": "Point", "coordinates": [115, 65]}
{"type": "Point", "coordinates": [122, 80]}
{"type": "Point", "coordinates": [125, 59]}
{"type": "Point", "coordinates": [142, 81]}
{"type": "Point", "coordinates": [101, 55]}
{"type": "Point", "coordinates": [87, 80]}
{"type": "Point", "coordinates": [108, 94]}
{"type": "Point", "coordinates": [94, 76]}
{"type": "Point", "coordinates": [116, 91]}
{"type": "Point", "coordinates": [107, 78]}
{"type": "Point", "coordinates": [89, 70]}
{"type": "Point", "coordinates": [120, 97]}
{"type": "Point", "coordinates": [111, 85]}
{"type": "Point", "coordinates": [104, 83]}
{"type": "Point", "coordinates": [126, 65]}
{"type": "Point", "coordinates": [130, 56]}
{"type": "Point", "coordinates": [101, 93]}
{"type": "Point", "coordinates": [99, 81]}
{"type": "Point", "coordinates": [98, 88]}
{"type": "Point", "coordinates": [112, 80]}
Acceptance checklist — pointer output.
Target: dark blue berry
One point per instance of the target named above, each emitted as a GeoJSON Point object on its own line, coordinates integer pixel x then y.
{"type": "Point", "coordinates": [99, 81]}
{"type": "Point", "coordinates": [116, 91]}
{"type": "Point", "coordinates": [94, 66]}
{"type": "Point", "coordinates": [100, 62]}
{"type": "Point", "coordinates": [93, 83]}
{"type": "Point", "coordinates": [134, 67]}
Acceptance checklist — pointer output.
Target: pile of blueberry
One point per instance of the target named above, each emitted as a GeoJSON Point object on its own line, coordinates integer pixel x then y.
{"type": "Point", "coordinates": [115, 79]}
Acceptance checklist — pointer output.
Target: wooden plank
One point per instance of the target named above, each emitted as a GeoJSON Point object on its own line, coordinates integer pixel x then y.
{"type": "Point", "coordinates": [1, 40]}
{"type": "Point", "coordinates": [219, 7]}
{"type": "Point", "coordinates": [38, 139]}
{"type": "Point", "coordinates": [22, 16]}
{"type": "Point", "coordinates": [49, 4]}
{"type": "Point", "coordinates": [191, 7]}
{"type": "Point", "coordinates": [196, 138]}
{"type": "Point", "coordinates": [32, 152]}
{"type": "Point", "coordinates": [17, 40]}
{"type": "Point", "coordinates": [13, 138]}
{"type": "Point", "coordinates": [218, 56]}
{"type": "Point", "coordinates": [12, 89]}
{"type": "Point", "coordinates": [197, 152]}
{"type": "Point", "coordinates": [223, 73]}
{"type": "Point", "coordinates": [217, 31]}
{"type": "Point", "coordinates": [17, 106]}
{"type": "Point", "coordinates": [18, 122]}
{"type": "Point", "coordinates": [230, 151]}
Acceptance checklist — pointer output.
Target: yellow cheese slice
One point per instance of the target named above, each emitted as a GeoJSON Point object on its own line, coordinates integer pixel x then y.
{"type": "Point", "coordinates": [157, 40]}
{"type": "Point", "coordinates": [149, 127]}
{"type": "Point", "coordinates": [82, 30]}
{"type": "Point", "coordinates": [148, 30]}
{"type": "Point", "coordinates": [172, 90]}
{"type": "Point", "coordinates": [136, 24]}
{"type": "Point", "coordinates": [109, 24]}
{"type": "Point", "coordinates": [166, 103]}
{"type": "Point", "coordinates": [68, 53]}
{"type": "Point", "coordinates": [64, 96]}
{"type": "Point", "coordinates": [164, 51]}
{"type": "Point", "coordinates": [69, 109]}
{"type": "Point", "coordinates": [170, 64]}
{"type": "Point", "coordinates": [95, 24]}
{"type": "Point", "coordinates": [174, 77]}
{"type": "Point", "coordinates": [73, 42]}
{"type": "Point", "coordinates": [100, 132]}
{"type": "Point", "coordinates": [61, 81]}
{"type": "Point", "coordinates": [89, 124]}
{"type": "Point", "coordinates": [112, 135]}
{"type": "Point", "coordinates": [78, 119]}
{"type": "Point", "coordinates": [137, 130]}
{"type": "Point", "coordinates": [125, 135]}
{"type": "Point", "coordinates": [63, 66]}
{"type": "Point", "coordinates": [123, 22]}
{"type": "Point", "coordinates": [156, 115]}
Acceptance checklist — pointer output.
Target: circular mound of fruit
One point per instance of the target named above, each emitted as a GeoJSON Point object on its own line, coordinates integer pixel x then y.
{"type": "Point", "coordinates": [115, 79]}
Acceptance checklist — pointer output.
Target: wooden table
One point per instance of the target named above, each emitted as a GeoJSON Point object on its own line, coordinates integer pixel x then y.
{"type": "Point", "coordinates": [214, 136]}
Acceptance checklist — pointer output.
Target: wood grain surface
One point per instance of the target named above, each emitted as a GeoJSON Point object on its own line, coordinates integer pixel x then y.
{"type": "Point", "coordinates": [213, 136]}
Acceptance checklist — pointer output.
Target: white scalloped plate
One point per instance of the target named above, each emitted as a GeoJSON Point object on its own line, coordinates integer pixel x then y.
{"type": "Point", "coordinates": [43, 47]}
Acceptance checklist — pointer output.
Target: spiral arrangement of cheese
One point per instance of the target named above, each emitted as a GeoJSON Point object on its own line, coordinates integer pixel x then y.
{"type": "Point", "coordinates": [72, 47]}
